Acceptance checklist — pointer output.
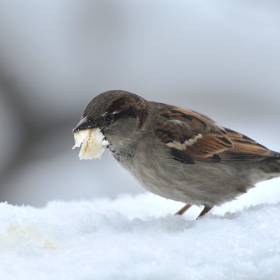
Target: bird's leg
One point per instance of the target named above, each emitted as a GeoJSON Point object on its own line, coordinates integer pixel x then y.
{"type": "Point", "coordinates": [183, 210]}
{"type": "Point", "coordinates": [205, 210]}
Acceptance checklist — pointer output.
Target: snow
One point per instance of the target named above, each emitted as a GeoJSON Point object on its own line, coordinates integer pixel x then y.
{"type": "Point", "coordinates": [138, 237]}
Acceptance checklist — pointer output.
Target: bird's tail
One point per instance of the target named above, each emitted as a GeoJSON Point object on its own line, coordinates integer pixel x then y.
{"type": "Point", "coordinates": [272, 167]}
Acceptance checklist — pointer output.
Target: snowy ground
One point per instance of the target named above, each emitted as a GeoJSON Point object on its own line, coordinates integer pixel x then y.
{"type": "Point", "coordinates": [139, 238]}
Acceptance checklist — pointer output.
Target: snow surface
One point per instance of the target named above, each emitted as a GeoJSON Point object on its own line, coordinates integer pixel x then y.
{"type": "Point", "coordinates": [140, 238]}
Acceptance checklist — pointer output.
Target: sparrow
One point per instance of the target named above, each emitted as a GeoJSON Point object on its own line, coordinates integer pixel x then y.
{"type": "Point", "coordinates": [178, 153]}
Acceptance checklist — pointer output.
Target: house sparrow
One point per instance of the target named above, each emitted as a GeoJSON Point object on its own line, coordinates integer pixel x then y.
{"type": "Point", "coordinates": [177, 153]}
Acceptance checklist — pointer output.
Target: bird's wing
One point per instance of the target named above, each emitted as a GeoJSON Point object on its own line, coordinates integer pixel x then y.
{"type": "Point", "coordinates": [192, 137]}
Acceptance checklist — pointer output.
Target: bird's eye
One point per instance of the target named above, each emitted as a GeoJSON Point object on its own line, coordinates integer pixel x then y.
{"type": "Point", "coordinates": [109, 117]}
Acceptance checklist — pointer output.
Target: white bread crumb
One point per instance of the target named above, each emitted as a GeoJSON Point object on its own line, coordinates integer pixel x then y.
{"type": "Point", "coordinates": [92, 141]}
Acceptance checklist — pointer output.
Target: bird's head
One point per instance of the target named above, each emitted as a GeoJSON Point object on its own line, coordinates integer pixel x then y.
{"type": "Point", "coordinates": [119, 115]}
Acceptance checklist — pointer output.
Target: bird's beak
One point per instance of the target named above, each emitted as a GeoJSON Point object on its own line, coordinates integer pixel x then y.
{"type": "Point", "coordinates": [84, 124]}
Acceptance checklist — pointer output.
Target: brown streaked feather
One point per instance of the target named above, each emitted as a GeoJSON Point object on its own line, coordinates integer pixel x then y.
{"type": "Point", "coordinates": [246, 149]}
{"type": "Point", "coordinates": [191, 136]}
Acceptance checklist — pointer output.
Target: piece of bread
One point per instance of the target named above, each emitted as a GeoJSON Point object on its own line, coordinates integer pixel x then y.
{"type": "Point", "coordinates": [91, 141]}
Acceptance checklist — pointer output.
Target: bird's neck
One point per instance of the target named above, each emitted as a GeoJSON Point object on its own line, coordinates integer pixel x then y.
{"type": "Point", "coordinates": [121, 152]}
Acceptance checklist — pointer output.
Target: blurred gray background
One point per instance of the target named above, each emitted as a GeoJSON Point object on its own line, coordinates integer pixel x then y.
{"type": "Point", "coordinates": [221, 58]}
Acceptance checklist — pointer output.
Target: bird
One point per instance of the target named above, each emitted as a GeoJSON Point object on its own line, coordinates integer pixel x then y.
{"type": "Point", "coordinates": [178, 153]}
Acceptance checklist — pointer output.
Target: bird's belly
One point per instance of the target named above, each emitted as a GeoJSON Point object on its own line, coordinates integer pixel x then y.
{"type": "Point", "coordinates": [197, 184]}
